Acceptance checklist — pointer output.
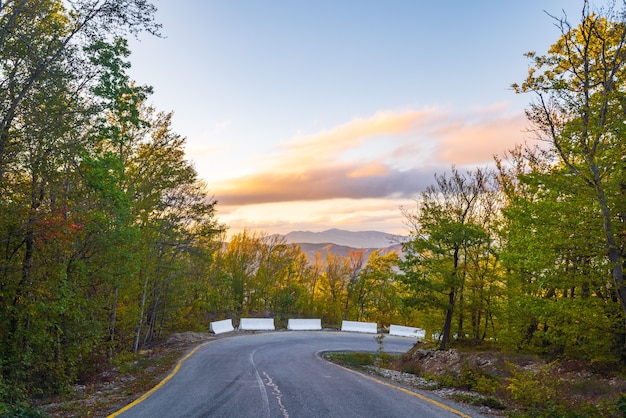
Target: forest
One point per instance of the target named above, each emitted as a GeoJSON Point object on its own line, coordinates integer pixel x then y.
{"type": "Point", "coordinates": [109, 240]}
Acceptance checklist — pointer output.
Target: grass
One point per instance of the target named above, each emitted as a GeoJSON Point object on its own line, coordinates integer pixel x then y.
{"type": "Point", "coordinates": [361, 361]}
{"type": "Point", "coordinates": [478, 400]}
{"type": "Point", "coordinates": [352, 360]}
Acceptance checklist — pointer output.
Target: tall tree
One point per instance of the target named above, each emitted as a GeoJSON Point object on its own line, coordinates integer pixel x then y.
{"type": "Point", "coordinates": [579, 111]}
{"type": "Point", "coordinates": [560, 297]}
{"type": "Point", "coordinates": [444, 229]}
{"type": "Point", "coordinates": [35, 36]}
{"type": "Point", "coordinates": [49, 331]}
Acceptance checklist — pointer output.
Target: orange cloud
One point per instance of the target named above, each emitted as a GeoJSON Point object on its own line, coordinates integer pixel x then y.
{"type": "Point", "coordinates": [326, 146]}
{"type": "Point", "coordinates": [391, 154]}
{"type": "Point", "coordinates": [375, 168]}
{"type": "Point", "coordinates": [477, 142]}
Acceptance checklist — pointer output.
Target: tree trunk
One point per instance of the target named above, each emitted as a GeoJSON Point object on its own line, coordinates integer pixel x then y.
{"type": "Point", "coordinates": [447, 325]}
{"type": "Point", "coordinates": [142, 310]}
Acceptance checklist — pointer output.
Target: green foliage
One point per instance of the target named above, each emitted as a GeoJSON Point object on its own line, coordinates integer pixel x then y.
{"type": "Point", "coordinates": [412, 368]}
{"type": "Point", "coordinates": [374, 294]}
{"type": "Point", "coordinates": [449, 266]}
{"type": "Point", "coordinates": [620, 405]}
{"type": "Point", "coordinates": [569, 197]}
{"type": "Point", "coordinates": [475, 378]}
{"type": "Point", "coordinates": [103, 220]}
{"type": "Point", "coordinates": [355, 360]}
{"type": "Point", "coordinates": [478, 400]}
{"type": "Point", "coordinates": [533, 388]}
{"type": "Point", "coordinates": [7, 411]}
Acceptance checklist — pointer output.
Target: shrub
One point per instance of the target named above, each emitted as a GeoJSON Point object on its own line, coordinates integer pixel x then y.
{"type": "Point", "coordinates": [475, 378]}
{"type": "Point", "coordinates": [532, 388]}
{"type": "Point", "coordinates": [7, 411]}
{"type": "Point", "coordinates": [478, 400]}
{"type": "Point", "coordinates": [620, 405]}
{"type": "Point", "coordinates": [412, 368]}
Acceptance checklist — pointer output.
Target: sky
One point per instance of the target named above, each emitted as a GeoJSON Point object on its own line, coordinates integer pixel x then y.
{"type": "Point", "coordinates": [309, 115]}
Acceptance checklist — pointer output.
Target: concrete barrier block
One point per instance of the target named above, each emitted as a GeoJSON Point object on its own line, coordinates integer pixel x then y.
{"type": "Point", "coordinates": [256, 324]}
{"type": "Point", "coordinates": [219, 327]}
{"type": "Point", "coordinates": [403, 331]}
{"type": "Point", "coordinates": [304, 324]}
{"type": "Point", "coordinates": [354, 326]}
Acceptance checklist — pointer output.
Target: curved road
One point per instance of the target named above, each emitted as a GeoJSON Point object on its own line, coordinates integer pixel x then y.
{"type": "Point", "coordinates": [280, 374]}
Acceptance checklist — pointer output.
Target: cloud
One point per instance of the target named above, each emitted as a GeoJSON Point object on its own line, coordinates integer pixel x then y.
{"type": "Point", "coordinates": [322, 183]}
{"type": "Point", "coordinates": [470, 142]}
{"type": "Point", "coordinates": [375, 168]}
{"type": "Point", "coordinates": [371, 214]}
{"type": "Point", "coordinates": [327, 147]}
{"type": "Point", "coordinates": [389, 155]}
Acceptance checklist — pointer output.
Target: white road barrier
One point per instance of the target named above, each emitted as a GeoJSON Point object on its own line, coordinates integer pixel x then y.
{"type": "Point", "coordinates": [403, 331]}
{"type": "Point", "coordinates": [257, 324]}
{"type": "Point", "coordinates": [354, 326]}
{"type": "Point", "coordinates": [304, 324]}
{"type": "Point", "coordinates": [219, 327]}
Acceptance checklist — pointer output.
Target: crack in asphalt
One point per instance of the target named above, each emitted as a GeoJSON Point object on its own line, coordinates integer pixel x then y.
{"type": "Point", "coordinates": [278, 394]}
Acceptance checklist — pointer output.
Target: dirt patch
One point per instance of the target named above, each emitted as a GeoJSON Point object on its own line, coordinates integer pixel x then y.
{"type": "Point", "coordinates": [436, 362]}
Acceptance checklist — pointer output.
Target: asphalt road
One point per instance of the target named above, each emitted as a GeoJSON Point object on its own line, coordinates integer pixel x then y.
{"type": "Point", "coordinates": [280, 374]}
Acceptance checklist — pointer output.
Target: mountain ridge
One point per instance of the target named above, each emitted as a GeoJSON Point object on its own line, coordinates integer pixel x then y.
{"type": "Point", "coordinates": [311, 251]}
{"type": "Point", "coordinates": [340, 237]}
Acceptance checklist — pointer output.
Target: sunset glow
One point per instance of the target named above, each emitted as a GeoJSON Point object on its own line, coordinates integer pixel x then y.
{"type": "Point", "coordinates": [297, 128]}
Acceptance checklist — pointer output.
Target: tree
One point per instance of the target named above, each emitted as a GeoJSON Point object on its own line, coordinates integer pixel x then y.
{"type": "Point", "coordinates": [263, 273]}
{"type": "Point", "coordinates": [37, 36]}
{"type": "Point", "coordinates": [334, 287]}
{"type": "Point", "coordinates": [51, 318]}
{"type": "Point", "coordinates": [560, 298]}
{"type": "Point", "coordinates": [175, 218]}
{"type": "Point", "coordinates": [579, 111]}
{"type": "Point", "coordinates": [103, 219]}
{"type": "Point", "coordinates": [240, 263]}
{"type": "Point", "coordinates": [355, 266]}
{"type": "Point", "coordinates": [280, 276]}
{"type": "Point", "coordinates": [444, 230]}
{"type": "Point", "coordinates": [376, 294]}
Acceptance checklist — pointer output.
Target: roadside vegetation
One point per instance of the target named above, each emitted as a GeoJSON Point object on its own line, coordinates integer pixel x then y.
{"type": "Point", "coordinates": [499, 383]}
{"type": "Point", "coordinates": [110, 242]}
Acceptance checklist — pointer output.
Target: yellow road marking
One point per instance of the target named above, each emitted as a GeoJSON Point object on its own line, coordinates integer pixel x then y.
{"type": "Point", "coordinates": [410, 392]}
{"type": "Point", "coordinates": [181, 361]}
{"type": "Point", "coordinates": [161, 383]}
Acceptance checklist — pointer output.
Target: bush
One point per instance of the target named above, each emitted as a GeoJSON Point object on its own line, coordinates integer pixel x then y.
{"type": "Point", "coordinates": [412, 368]}
{"type": "Point", "coordinates": [478, 400]}
{"type": "Point", "coordinates": [475, 378]}
{"type": "Point", "coordinates": [620, 405]}
{"type": "Point", "coordinates": [7, 411]}
{"type": "Point", "coordinates": [532, 388]}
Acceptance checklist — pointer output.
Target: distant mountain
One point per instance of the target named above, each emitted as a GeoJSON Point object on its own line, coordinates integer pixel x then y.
{"type": "Point", "coordinates": [355, 240]}
{"type": "Point", "coordinates": [343, 251]}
